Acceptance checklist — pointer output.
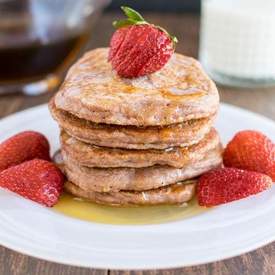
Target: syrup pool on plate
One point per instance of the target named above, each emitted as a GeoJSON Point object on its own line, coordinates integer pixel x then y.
{"type": "Point", "coordinates": [139, 215]}
{"type": "Point", "coordinates": [74, 207]}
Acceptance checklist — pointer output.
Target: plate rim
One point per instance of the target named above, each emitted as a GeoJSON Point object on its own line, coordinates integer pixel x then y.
{"type": "Point", "coordinates": [19, 249]}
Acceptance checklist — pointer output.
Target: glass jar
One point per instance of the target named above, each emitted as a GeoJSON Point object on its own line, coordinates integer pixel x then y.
{"type": "Point", "coordinates": [237, 41]}
{"type": "Point", "coordinates": [39, 39]}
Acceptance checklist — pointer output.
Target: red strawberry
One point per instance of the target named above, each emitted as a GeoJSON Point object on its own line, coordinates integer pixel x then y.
{"type": "Point", "coordinates": [251, 150]}
{"type": "Point", "coordinates": [224, 185]}
{"type": "Point", "coordinates": [37, 180]}
{"type": "Point", "coordinates": [138, 48]}
{"type": "Point", "coordinates": [23, 146]}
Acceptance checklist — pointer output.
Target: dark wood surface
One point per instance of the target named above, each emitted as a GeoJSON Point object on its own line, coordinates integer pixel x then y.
{"type": "Point", "coordinates": [185, 27]}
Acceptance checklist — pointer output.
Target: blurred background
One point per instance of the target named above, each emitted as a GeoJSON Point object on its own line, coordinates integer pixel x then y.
{"type": "Point", "coordinates": [39, 39]}
{"type": "Point", "coordinates": [159, 5]}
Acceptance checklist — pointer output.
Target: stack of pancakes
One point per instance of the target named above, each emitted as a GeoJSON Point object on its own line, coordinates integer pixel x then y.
{"type": "Point", "coordinates": [136, 141]}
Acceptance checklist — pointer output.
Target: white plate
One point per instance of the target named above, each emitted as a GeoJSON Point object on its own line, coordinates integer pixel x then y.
{"type": "Point", "coordinates": [224, 232]}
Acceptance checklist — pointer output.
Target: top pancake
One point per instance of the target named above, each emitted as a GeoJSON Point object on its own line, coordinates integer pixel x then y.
{"type": "Point", "coordinates": [178, 92]}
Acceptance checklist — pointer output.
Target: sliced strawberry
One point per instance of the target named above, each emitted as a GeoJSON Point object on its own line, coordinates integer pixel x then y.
{"type": "Point", "coordinates": [225, 185]}
{"type": "Point", "coordinates": [23, 146]}
{"type": "Point", "coordinates": [37, 180]}
{"type": "Point", "coordinates": [251, 150]}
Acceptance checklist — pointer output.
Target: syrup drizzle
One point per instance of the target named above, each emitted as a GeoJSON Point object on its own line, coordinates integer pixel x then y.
{"type": "Point", "coordinates": [140, 215]}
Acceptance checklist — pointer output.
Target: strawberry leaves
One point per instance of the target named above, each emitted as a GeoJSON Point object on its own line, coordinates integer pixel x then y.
{"type": "Point", "coordinates": [135, 18]}
{"type": "Point", "coordinates": [131, 13]}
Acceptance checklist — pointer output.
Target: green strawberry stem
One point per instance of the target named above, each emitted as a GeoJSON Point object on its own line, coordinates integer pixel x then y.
{"type": "Point", "coordinates": [131, 13]}
{"type": "Point", "coordinates": [135, 18]}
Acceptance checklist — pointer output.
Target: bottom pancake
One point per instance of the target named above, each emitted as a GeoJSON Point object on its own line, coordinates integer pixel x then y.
{"type": "Point", "coordinates": [172, 194]}
{"type": "Point", "coordinates": [137, 179]}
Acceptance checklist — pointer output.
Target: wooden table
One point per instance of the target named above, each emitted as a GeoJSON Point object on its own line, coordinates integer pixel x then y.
{"type": "Point", "coordinates": [185, 27]}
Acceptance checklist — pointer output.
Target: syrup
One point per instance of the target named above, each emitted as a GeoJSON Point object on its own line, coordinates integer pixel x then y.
{"type": "Point", "coordinates": [140, 215]}
{"type": "Point", "coordinates": [32, 44]}
{"type": "Point", "coordinates": [169, 93]}
{"type": "Point", "coordinates": [178, 94]}
{"type": "Point", "coordinates": [41, 58]}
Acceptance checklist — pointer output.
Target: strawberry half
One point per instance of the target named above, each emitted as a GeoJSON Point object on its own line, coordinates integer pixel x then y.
{"type": "Point", "coordinates": [251, 150]}
{"type": "Point", "coordinates": [138, 48]}
{"type": "Point", "coordinates": [224, 185]}
{"type": "Point", "coordinates": [37, 180]}
{"type": "Point", "coordinates": [23, 146]}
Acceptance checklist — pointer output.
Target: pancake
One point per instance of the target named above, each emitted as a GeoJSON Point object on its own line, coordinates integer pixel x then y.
{"type": "Point", "coordinates": [180, 91]}
{"type": "Point", "coordinates": [137, 179]}
{"type": "Point", "coordinates": [173, 194]}
{"type": "Point", "coordinates": [94, 156]}
{"type": "Point", "coordinates": [131, 137]}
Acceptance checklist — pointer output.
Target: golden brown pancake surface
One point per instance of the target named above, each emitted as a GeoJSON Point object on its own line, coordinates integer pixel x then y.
{"type": "Point", "coordinates": [180, 91]}
{"type": "Point", "coordinates": [131, 137]}
{"type": "Point", "coordinates": [137, 179]}
{"type": "Point", "coordinates": [94, 156]}
{"type": "Point", "coordinates": [173, 194]}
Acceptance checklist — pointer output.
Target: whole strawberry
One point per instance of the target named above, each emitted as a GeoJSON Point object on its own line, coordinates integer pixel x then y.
{"type": "Point", "coordinates": [138, 48]}
{"type": "Point", "coordinates": [23, 146]}
{"type": "Point", "coordinates": [224, 185]}
{"type": "Point", "coordinates": [251, 150]}
{"type": "Point", "coordinates": [37, 180]}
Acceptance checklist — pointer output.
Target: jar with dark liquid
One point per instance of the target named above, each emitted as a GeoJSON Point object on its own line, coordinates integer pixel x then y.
{"type": "Point", "coordinates": [39, 39]}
